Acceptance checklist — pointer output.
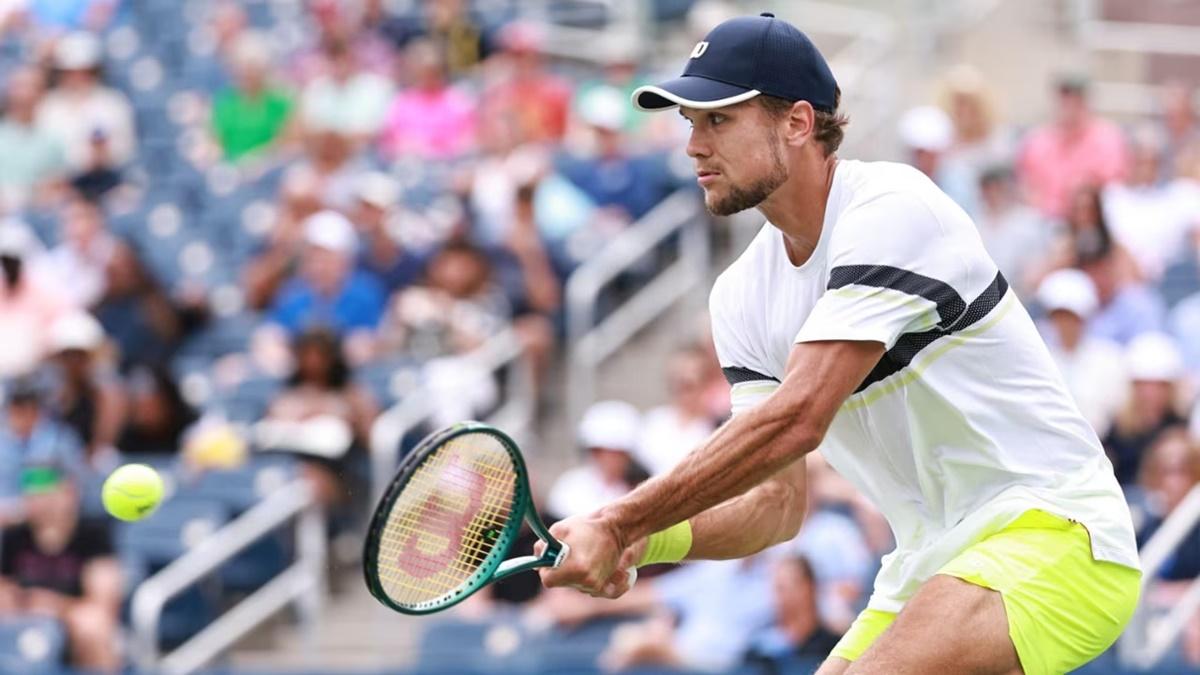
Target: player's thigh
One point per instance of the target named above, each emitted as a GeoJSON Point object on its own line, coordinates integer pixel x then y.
{"type": "Point", "coordinates": [949, 626]}
{"type": "Point", "coordinates": [833, 665]}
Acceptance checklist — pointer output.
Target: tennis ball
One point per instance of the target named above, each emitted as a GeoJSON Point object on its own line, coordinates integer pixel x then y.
{"type": "Point", "coordinates": [132, 492]}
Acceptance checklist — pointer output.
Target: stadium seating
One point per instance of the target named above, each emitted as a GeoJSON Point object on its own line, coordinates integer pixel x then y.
{"type": "Point", "coordinates": [31, 645]}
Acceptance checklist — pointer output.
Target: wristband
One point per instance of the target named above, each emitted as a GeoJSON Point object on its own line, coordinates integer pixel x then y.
{"type": "Point", "coordinates": [668, 546]}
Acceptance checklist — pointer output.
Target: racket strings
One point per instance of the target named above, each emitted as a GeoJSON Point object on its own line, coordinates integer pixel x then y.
{"type": "Point", "coordinates": [446, 521]}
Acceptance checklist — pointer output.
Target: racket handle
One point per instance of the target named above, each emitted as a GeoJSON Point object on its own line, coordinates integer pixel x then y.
{"type": "Point", "coordinates": [566, 550]}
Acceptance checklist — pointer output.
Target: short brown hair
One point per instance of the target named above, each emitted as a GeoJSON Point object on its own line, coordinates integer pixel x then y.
{"type": "Point", "coordinates": [830, 126]}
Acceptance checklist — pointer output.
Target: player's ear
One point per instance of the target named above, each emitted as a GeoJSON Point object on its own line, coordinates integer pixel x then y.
{"type": "Point", "coordinates": [801, 121]}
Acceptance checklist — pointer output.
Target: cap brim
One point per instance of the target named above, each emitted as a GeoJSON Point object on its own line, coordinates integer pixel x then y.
{"type": "Point", "coordinates": [690, 92]}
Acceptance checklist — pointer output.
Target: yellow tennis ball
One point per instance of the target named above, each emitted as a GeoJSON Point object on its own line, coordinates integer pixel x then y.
{"type": "Point", "coordinates": [132, 492]}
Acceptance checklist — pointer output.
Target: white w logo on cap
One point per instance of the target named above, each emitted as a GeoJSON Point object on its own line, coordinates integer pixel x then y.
{"type": "Point", "coordinates": [701, 47]}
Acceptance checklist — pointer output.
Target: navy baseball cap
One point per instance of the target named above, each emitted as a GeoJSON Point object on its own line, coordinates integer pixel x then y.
{"type": "Point", "coordinates": [742, 58]}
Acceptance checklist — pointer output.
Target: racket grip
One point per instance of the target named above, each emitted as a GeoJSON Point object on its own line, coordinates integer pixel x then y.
{"type": "Point", "coordinates": [566, 550]}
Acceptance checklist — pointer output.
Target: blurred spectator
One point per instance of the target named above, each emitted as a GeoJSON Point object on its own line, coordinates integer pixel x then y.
{"type": "Point", "coordinates": [610, 174]}
{"type": "Point", "coordinates": [392, 263]}
{"type": "Point", "coordinates": [79, 104]}
{"type": "Point", "coordinates": [254, 114]}
{"type": "Point", "coordinates": [1184, 324]}
{"type": "Point", "coordinates": [61, 566]}
{"type": "Point", "coordinates": [33, 157]}
{"type": "Point", "coordinates": [346, 98]}
{"type": "Point", "coordinates": [1091, 366]}
{"type": "Point", "coordinates": [797, 632]}
{"type": "Point", "coordinates": [330, 156]}
{"type": "Point", "coordinates": [84, 254]}
{"type": "Point", "coordinates": [1012, 231]}
{"type": "Point", "coordinates": [927, 135]}
{"type": "Point", "coordinates": [979, 141]}
{"type": "Point", "coordinates": [136, 313]}
{"type": "Point", "coordinates": [461, 39]}
{"type": "Point", "coordinates": [88, 398]}
{"type": "Point", "coordinates": [526, 99]}
{"type": "Point", "coordinates": [1170, 471]}
{"type": "Point", "coordinates": [1151, 218]}
{"type": "Point", "coordinates": [1075, 149]}
{"type": "Point", "coordinates": [703, 616]}
{"type": "Point", "coordinates": [328, 291]}
{"type": "Point", "coordinates": [456, 309]}
{"type": "Point", "coordinates": [1127, 306]}
{"type": "Point", "coordinates": [1155, 367]}
{"type": "Point", "coordinates": [430, 118]}
{"type": "Point", "coordinates": [320, 388]}
{"type": "Point", "coordinates": [834, 542]}
{"type": "Point", "coordinates": [158, 415]}
{"type": "Point", "coordinates": [621, 72]}
{"type": "Point", "coordinates": [101, 175]}
{"type": "Point", "coordinates": [608, 434]}
{"type": "Point", "coordinates": [28, 304]}
{"type": "Point", "coordinates": [30, 435]}
{"type": "Point", "coordinates": [358, 25]}
{"type": "Point", "coordinates": [280, 254]}
{"type": "Point", "coordinates": [671, 432]}
{"type": "Point", "coordinates": [1179, 122]}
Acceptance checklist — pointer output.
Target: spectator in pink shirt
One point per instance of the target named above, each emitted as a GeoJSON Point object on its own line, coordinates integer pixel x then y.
{"type": "Point", "coordinates": [430, 118]}
{"type": "Point", "coordinates": [1074, 150]}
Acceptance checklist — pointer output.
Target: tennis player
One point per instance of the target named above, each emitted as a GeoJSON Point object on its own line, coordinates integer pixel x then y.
{"type": "Point", "coordinates": [866, 320]}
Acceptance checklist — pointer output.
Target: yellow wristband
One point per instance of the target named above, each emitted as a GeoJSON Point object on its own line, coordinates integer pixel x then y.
{"type": "Point", "coordinates": [668, 546]}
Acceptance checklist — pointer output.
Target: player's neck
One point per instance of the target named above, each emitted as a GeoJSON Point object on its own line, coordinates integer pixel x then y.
{"type": "Point", "coordinates": [797, 208]}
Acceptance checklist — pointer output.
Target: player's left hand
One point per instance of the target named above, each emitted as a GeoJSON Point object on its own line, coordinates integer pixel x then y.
{"type": "Point", "coordinates": [597, 562]}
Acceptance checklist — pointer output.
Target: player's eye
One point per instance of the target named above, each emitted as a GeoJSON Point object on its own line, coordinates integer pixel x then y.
{"type": "Point", "coordinates": [716, 118]}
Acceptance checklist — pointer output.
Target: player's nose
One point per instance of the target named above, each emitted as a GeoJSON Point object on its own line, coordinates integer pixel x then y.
{"type": "Point", "coordinates": [696, 148]}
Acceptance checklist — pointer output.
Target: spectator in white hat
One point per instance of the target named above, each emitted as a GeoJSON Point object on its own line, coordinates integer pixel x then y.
{"type": "Point", "coordinates": [927, 134]}
{"type": "Point", "coordinates": [84, 253]}
{"type": "Point", "coordinates": [1155, 368]}
{"type": "Point", "coordinates": [89, 397]}
{"type": "Point", "coordinates": [1092, 367]}
{"type": "Point", "coordinates": [80, 104]}
{"type": "Point", "coordinates": [28, 305]}
{"type": "Point", "coordinates": [328, 291]}
{"type": "Point", "coordinates": [608, 433]}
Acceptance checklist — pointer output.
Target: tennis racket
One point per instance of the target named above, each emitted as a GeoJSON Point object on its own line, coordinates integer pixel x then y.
{"type": "Point", "coordinates": [449, 519]}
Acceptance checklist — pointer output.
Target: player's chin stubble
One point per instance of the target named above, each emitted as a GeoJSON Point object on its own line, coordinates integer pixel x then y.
{"type": "Point", "coordinates": [741, 198]}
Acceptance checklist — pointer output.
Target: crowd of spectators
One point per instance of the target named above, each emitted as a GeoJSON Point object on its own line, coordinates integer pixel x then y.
{"type": "Point", "coordinates": [347, 190]}
{"type": "Point", "coordinates": [233, 221]}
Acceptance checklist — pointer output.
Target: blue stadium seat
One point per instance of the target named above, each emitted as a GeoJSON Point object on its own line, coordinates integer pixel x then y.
{"type": "Point", "coordinates": [238, 490]}
{"type": "Point", "coordinates": [31, 645]}
{"type": "Point", "coordinates": [179, 524]}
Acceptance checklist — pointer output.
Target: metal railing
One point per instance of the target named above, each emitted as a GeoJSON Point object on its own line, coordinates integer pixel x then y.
{"type": "Point", "coordinates": [515, 414]}
{"type": "Point", "coordinates": [1146, 639]}
{"type": "Point", "coordinates": [301, 584]}
{"type": "Point", "coordinates": [591, 342]}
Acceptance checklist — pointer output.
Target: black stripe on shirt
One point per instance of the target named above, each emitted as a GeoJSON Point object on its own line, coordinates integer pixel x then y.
{"type": "Point", "coordinates": [950, 305]}
{"type": "Point", "coordinates": [737, 375]}
{"type": "Point", "coordinates": [911, 344]}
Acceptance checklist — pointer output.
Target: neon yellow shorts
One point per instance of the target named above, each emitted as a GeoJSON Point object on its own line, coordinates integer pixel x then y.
{"type": "Point", "coordinates": [1064, 607]}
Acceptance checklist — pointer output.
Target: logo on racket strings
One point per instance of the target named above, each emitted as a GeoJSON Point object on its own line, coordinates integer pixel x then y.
{"type": "Point", "coordinates": [446, 516]}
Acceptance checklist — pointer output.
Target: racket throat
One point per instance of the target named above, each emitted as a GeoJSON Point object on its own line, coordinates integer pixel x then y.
{"type": "Point", "coordinates": [551, 557]}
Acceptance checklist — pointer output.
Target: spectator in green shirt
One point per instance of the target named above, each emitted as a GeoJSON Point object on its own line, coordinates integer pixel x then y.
{"type": "Point", "coordinates": [253, 115]}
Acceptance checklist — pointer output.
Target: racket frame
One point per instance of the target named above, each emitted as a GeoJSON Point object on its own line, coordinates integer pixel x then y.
{"type": "Point", "coordinates": [494, 567]}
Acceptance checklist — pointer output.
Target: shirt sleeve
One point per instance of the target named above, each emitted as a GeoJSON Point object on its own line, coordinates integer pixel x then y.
{"type": "Point", "coordinates": [892, 270]}
{"type": "Point", "coordinates": [749, 379]}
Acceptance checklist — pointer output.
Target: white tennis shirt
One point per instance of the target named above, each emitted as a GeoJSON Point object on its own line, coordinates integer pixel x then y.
{"type": "Point", "coordinates": [965, 423]}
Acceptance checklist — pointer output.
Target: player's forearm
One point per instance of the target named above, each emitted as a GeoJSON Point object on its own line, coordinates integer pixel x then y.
{"type": "Point", "coordinates": [743, 453]}
{"type": "Point", "coordinates": [765, 516]}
